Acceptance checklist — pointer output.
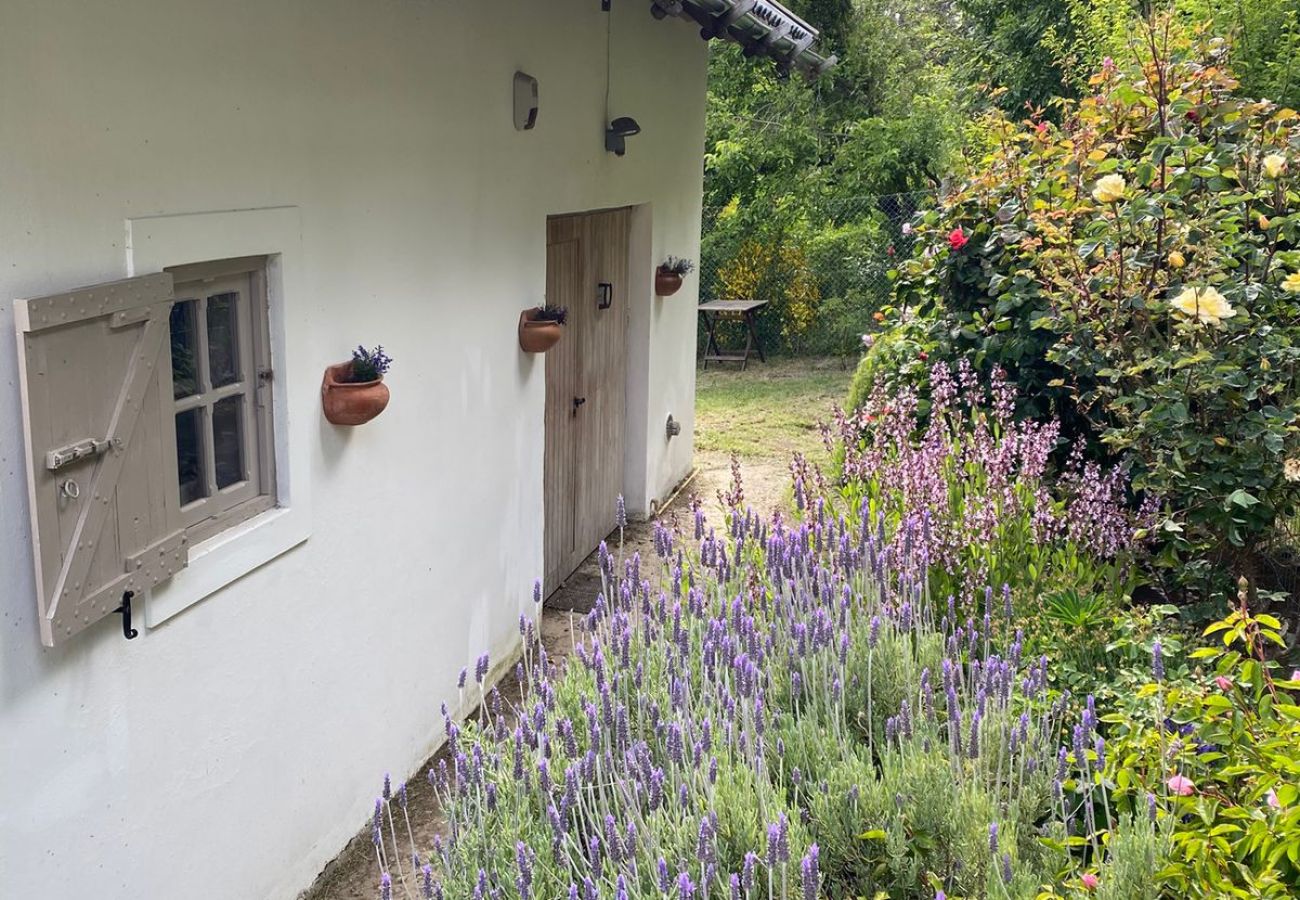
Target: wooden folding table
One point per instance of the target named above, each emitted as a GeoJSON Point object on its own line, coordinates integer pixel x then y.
{"type": "Point", "coordinates": [718, 310]}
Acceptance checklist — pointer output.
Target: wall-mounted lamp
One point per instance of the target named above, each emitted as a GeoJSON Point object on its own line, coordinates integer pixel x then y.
{"type": "Point", "coordinates": [617, 133]}
{"type": "Point", "coordinates": [673, 428]}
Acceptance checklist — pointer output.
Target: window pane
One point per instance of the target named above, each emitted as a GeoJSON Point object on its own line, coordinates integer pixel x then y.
{"type": "Point", "coordinates": [185, 373]}
{"type": "Point", "coordinates": [223, 339]}
{"type": "Point", "coordinates": [189, 455]}
{"type": "Point", "coordinates": [228, 440]}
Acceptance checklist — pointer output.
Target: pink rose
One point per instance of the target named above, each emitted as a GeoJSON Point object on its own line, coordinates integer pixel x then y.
{"type": "Point", "coordinates": [1090, 881]}
{"type": "Point", "coordinates": [1223, 683]}
{"type": "Point", "coordinates": [1181, 786]}
{"type": "Point", "coordinates": [957, 238]}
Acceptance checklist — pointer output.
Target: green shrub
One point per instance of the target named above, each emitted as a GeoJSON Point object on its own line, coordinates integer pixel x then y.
{"type": "Point", "coordinates": [1135, 270]}
{"type": "Point", "coordinates": [895, 356]}
{"type": "Point", "coordinates": [1214, 756]}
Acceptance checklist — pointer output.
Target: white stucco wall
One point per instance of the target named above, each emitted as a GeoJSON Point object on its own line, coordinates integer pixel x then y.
{"type": "Point", "coordinates": [232, 750]}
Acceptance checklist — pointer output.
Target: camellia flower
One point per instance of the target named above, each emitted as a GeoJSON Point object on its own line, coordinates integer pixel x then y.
{"type": "Point", "coordinates": [1090, 881]}
{"type": "Point", "coordinates": [957, 238]}
{"type": "Point", "coordinates": [1181, 785]}
{"type": "Point", "coordinates": [1274, 165]}
{"type": "Point", "coordinates": [1291, 284]}
{"type": "Point", "coordinates": [1223, 683]}
{"type": "Point", "coordinates": [1109, 189]}
{"type": "Point", "coordinates": [1176, 260]}
{"type": "Point", "coordinates": [1204, 305]}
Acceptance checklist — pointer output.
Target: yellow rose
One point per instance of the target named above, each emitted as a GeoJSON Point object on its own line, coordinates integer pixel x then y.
{"type": "Point", "coordinates": [1176, 260]}
{"type": "Point", "coordinates": [1204, 305]}
{"type": "Point", "coordinates": [1274, 165]}
{"type": "Point", "coordinates": [1291, 284]}
{"type": "Point", "coordinates": [1109, 189]}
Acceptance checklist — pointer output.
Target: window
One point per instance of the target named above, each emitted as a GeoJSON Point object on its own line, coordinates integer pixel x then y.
{"type": "Point", "coordinates": [221, 396]}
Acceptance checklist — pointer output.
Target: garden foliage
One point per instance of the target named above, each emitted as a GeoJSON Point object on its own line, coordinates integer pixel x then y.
{"type": "Point", "coordinates": [787, 709]}
{"type": "Point", "coordinates": [1135, 269]}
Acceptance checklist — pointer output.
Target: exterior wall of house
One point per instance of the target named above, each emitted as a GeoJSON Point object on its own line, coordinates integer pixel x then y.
{"type": "Point", "coordinates": [232, 749]}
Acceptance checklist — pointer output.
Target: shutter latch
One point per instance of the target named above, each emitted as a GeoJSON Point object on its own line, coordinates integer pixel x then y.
{"type": "Point", "coordinates": [125, 612]}
{"type": "Point", "coordinates": [57, 459]}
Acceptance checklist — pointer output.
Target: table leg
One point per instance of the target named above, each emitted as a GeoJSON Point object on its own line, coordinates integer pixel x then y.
{"type": "Point", "coordinates": [710, 346]}
{"type": "Point", "coordinates": [752, 322]}
{"type": "Point", "coordinates": [749, 345]}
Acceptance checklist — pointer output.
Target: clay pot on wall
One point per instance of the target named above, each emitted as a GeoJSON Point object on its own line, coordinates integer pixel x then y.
{"type": "Point", "coordinates": [351, 402]}
{"type": "Point", "coordinates": [667, 283]}
{"type": "Point", "coordinates": [537, 335]}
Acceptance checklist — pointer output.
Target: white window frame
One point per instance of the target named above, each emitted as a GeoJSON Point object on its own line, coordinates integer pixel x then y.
{"type": "Point", "coordinates": [158, 243]}
{"type": "Point", "coordinates": [221, 507]}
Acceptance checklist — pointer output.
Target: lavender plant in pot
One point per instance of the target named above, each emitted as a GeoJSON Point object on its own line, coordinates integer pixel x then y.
{"type": "Point", "coordinates": [540, 328]}
{"type": "Point", "coordinates": [668, 277]}
{"type": "Point", "coordinates": [353, 392]}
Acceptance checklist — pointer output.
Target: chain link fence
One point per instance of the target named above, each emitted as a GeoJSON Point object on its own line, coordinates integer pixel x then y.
{"type": "Point", "coordinates": [823, 267]}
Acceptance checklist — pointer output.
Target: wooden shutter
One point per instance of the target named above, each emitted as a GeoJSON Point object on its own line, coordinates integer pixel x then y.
{"type": "Point", "coordinates": [95, 369]}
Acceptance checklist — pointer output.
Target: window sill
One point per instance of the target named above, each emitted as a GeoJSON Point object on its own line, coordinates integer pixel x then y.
{"type": "Point", "coordinates": [225, 558]}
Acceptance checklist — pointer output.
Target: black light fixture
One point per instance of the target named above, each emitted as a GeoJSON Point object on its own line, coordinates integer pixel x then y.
{"type": "Point", "coordinates": [617, 133]}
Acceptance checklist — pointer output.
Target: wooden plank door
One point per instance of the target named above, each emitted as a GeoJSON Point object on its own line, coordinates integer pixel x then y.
{"type": "Point", "coordinates": [586, 376]}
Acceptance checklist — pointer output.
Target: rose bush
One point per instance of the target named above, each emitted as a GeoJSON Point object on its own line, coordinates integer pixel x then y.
{"type": "Point", "coordinates": [1136, 269]}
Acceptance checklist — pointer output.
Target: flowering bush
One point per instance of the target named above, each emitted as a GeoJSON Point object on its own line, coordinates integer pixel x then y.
{"type": "Point", "coordinates": [1135, 270]}
{"type": "Point", "coordinates": [776, 709]}
{"type": "Point", "coordinates": [969, 495]}
{"type": "Point", "coordinates": [1220, 754]}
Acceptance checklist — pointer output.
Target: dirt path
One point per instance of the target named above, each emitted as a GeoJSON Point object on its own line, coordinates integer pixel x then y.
{"type": "Point", "coordinates": [354, 874]}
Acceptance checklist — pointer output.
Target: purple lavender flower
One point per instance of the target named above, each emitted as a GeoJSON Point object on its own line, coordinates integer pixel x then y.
{"type": "Point", "coordinates": [523, 859]}
{"type": "Point", "coordinates": [620, 512]}
{"type": "Point", "coordinates": [1157, 661]}
{"type": "Point", "coordinates": [810, 874]}
{"type": "Point", "coordinates": [993, 838]}
{"type": "Point", "coordinates": [377, 823]}
{"type": "Point", "coordinates": [685, 887]}
{"type": "Point", "coordinates": [386, 887]}
{"type": "Point", "coordinates": [460, 681]}
{"type": "Point", "coordinates": [427, 881]}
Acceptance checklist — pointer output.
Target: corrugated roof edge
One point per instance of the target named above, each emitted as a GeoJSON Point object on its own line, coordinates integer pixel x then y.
{"type": "Point", "coordinates": [761, 27]}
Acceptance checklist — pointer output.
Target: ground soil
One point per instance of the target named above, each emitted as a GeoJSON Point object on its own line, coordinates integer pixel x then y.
{"type": "Point", "coordinates": [354, 873]}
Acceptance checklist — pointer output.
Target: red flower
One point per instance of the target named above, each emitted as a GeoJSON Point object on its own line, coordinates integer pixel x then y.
{"type": "Point", "coordinates": [890, 249]}
{"type": "Point", "coordinates": [957, 238]}
{"type": "Point", "coordinates": [923, 356]}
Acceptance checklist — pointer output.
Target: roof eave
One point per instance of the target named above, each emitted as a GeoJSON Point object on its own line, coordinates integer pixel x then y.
{"type": "Point", "coordinates": [761, 27]}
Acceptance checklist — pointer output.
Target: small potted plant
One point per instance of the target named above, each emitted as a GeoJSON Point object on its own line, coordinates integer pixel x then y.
{"type": "Point", "coordinates": [354, 392]}
{"type": "Point", "coordinates": [539, 328]}
{"type": "Point", "coordinates": [668, 277]}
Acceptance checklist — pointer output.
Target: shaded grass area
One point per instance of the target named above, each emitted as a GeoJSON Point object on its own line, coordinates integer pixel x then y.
{"type": "Point", "coordinates": [770, 410]}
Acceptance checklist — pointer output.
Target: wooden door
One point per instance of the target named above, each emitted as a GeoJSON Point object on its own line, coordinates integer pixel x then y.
{"type": "Point", "coordinates": [586, 375]}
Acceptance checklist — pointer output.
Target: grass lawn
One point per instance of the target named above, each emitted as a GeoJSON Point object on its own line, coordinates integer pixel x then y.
{"type": "Point", "coordinates": [769, 410]}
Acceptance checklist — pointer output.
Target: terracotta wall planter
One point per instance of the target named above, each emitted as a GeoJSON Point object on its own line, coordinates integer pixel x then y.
{"type": "Point", "coordinates": [351, 403]}
{"type": "Point", "coordinates": [537, 335]}
{"type": "Point", "coordinates": [667, 283]}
